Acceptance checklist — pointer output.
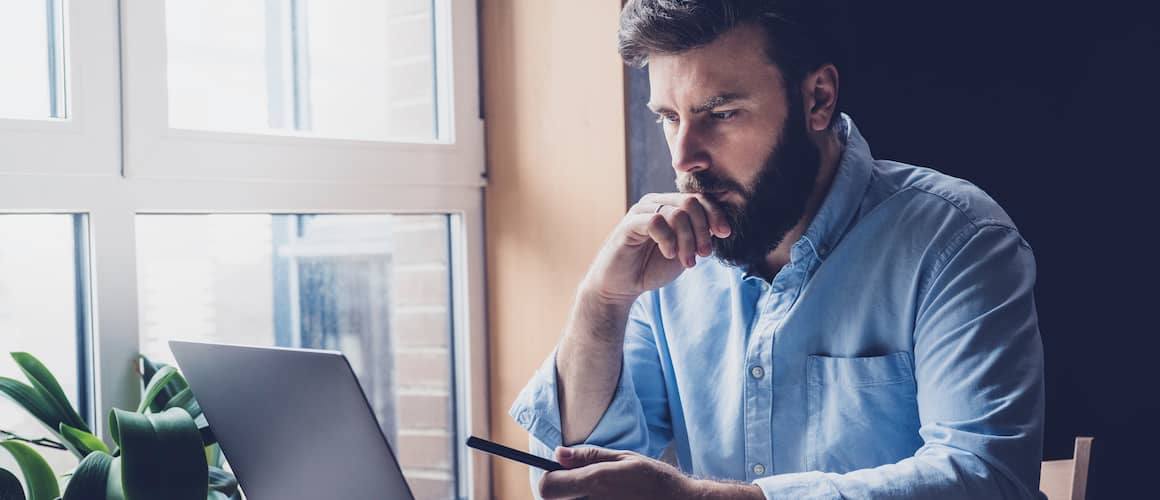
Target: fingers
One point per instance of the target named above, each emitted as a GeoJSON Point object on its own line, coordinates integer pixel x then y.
{"type": "Point", "coordinates": [672, 232]}
{"type": "Point", "coordinates": [590, 481]}
{"type": "Point", "coordinates": [700, 221]}
{"type": "Point", "coordinates": [584, 455]}
{"type": "Point", "coordinates": [665, 237]}
{"type": "Point", "coordinates": [682, 225]}
{"type": "Point", "coordinates": [717, 222]}
{"type": "Point", "coordinates": [565, 484]}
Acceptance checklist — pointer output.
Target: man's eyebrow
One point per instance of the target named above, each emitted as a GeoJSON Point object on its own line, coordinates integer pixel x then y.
{"type": "Point", "coordinates": [657, 108]}
{"type": "Point", "coordinates": [707, 105]}
{"type": "Point", "coordinates": [716, 101]}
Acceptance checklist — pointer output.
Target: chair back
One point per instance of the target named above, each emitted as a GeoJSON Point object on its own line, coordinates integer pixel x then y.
{"type": "Point", "coordinates": [1067, 479]}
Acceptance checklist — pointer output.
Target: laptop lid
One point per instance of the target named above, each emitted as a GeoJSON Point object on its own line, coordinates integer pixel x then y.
{"type": "Point", "coordinates": [293, 423]}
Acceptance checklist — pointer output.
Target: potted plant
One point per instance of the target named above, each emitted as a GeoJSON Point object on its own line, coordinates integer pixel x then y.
{"type": "Point", "coordinates": [163, 449]}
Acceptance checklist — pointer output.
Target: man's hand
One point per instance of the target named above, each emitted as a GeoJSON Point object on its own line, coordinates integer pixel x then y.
{"type": "Point", "coordinates": [608, 474]}
{"type": "Point", "coordinates": [657, 239]}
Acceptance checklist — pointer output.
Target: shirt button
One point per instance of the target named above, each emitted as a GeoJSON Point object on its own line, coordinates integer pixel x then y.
{"type": "Point", "coordinates": [757, 372]}
{"type": "Point", "coordinates": [758, 469]}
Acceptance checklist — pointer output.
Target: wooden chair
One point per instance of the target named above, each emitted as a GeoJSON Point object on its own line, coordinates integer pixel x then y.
{"type": "Point", "coordinates": [1067, 479]}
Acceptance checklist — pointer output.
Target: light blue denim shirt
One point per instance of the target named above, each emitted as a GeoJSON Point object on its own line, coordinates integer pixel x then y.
{"type": "Point", "coordinates": [897, 355]}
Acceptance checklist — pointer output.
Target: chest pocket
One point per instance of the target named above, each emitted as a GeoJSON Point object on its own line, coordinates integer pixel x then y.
{"type": "Point", "coordinates": [863, 412]}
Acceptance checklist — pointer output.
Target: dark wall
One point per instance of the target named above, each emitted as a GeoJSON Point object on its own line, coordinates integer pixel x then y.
{"type": "Point", "coordinates": [1050, 108]}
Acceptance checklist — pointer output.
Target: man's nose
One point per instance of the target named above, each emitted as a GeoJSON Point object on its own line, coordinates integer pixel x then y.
{"type": "Point", "coordinates": [688, 151]}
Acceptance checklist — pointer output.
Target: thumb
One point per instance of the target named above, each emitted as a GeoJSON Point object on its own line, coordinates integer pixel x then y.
{"type": "Point", "coordinates": [581, 456]}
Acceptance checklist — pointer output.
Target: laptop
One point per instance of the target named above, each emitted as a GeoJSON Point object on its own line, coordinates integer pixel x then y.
{"type": "Point", "coordinates": [293, 423]}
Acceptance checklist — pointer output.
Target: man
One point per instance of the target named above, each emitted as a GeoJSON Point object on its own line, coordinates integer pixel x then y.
{"type": "Point", "coordinates": [864, 328]}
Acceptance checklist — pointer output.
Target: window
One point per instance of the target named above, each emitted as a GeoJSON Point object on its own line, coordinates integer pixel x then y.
{"type": "Point", "coordinates": [43, 311]}
{"type": "Point", "coordinates": [376, 287]}
{"type": "Point", "coordinates": [272, 89]}
{"type": "Point", "coordinates": [353, 69]}
{"type": "Point", "coordinates": [300, 157]}
{"type": "Point", "coordinates": [36, 89]}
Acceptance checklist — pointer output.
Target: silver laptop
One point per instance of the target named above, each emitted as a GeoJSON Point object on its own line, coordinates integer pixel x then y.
{"type": "Point", "coordinates": [293, 423]}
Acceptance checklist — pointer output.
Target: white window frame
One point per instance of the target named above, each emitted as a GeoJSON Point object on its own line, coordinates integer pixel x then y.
{"type": "Point", "coordinates": [75, 166]}
{"type": "Point", "coordinates": [152, 149]}
{"type": "Point", "coordinates": [87, 141]}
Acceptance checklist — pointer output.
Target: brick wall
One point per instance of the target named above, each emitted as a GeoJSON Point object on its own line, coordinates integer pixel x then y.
{"type": "Point", "coordinates": [420, 325]}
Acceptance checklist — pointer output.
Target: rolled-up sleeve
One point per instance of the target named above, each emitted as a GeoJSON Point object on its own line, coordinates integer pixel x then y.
{"type": "Point", "coordinates": [979, 374]}
{"type": "Point", "coordinates": [637, 418]}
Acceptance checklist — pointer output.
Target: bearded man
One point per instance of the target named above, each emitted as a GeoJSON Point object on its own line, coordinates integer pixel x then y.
{"type": "Point", "coordinates": [800, 320]}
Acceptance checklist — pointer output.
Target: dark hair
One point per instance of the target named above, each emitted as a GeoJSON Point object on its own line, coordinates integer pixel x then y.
{"type": "Point", "coordinates": [801, 35]}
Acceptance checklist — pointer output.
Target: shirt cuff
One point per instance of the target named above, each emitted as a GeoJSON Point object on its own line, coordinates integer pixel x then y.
{"type": "Point", "coordinates": [537, 410]}
{"type": "Point", "coordinates": [798, 485]}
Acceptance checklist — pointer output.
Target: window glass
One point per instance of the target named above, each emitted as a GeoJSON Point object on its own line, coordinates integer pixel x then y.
{"type": "Point", "coordinates": [39, 315]}
{"type": "Point", "coordinates": [350, 69]}
{"type": "Point", "coordinates": [376, 287]}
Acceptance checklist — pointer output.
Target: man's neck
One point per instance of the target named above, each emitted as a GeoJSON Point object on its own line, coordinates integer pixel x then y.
{"type": "Point", "coordinates": [831, 154]}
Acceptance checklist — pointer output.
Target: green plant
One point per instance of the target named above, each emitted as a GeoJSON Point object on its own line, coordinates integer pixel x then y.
{"type": "Point", "coordinates": [164, 448]}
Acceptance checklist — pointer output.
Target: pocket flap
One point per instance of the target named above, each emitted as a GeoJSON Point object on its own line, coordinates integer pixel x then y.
{"type": "Point", "coordinates": [871, 370]}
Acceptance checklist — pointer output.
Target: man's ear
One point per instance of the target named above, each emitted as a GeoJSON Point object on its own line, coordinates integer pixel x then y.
{"type": "Point", "coordinates": [820, 96]}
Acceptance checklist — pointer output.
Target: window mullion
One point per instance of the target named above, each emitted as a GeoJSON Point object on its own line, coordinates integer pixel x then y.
{"type": "Point", "coordinates": [115, 344]}
{"type": "Point", "coordinates": [81, 271]}
{"type": "Point", "coordinates": [54, 15]}
{"type": "Point", "coordinates": [300, 45]}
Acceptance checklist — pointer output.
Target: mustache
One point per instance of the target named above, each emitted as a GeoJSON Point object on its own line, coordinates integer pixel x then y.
{"type": "Point", "coordinates": [706, 182]}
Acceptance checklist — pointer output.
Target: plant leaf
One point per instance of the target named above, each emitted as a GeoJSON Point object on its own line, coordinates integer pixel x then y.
{"type": "Point", "coordinates": [37, 474]}
{"type": "Point", "coordinates": [91, 478]}
{"type": "Point", "coordinates": [213, 454]}
{"type": "Point", "coordinates": [49, 389]}
{"type": "Point", "coordinates": [114, 489]}
{"type": "Point", "coordinates": [29, 399]}
{"type": "Point", "coordinates": [149, 370]}
{"type": "Point", "coordinates": [222, 481]}
{"type": "Point", "coordinates": [80, 441]}
{"type": "Point", "coordinates": [161, 455]}
{"type": "Point", "coordinates": [156, 385]}
{"type": "Point", "coordinates": [115, 433]}
{"type": "Point", "coordinates": [217, 495]}
{"type": "Point", "coordinates": [185, 400]}
{"type": "Point", "coordinates": [10, 488]}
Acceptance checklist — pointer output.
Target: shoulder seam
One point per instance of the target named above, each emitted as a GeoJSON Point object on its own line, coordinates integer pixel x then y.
{"type": "Point", "coordinates": [975, 221]}
{"type": "Point", "coordinates": [957, 242]}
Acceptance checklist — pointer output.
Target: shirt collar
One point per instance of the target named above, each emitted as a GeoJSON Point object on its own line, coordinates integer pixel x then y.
{"type": "Point", "coordinates": [844, 198]}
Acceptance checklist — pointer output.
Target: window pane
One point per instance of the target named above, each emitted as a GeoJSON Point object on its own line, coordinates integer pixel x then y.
{"type": "Point", "coordinates": [372, 69]}
{"type": "Point", "coordinates": [38, 315]}
{"type": "Point", "coordinates": [32, 55]}
{"type": "Point", "coordinates": [376, 287]}
{"type": "Point", "coordinates": [352, 69]}
{"type": "Point", "coordinates": [217, 58]}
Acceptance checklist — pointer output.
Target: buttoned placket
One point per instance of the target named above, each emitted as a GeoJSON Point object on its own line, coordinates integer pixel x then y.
{"type": "Point", "coordinates": [758, 393]}
{"type": "Point", "coordinates": [773, 305]}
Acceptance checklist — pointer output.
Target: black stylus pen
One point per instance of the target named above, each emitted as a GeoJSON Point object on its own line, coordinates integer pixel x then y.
{"type": "Point", "coordinates": [500, 450]}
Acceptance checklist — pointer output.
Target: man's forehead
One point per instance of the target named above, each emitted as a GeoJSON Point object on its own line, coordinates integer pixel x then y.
{"type": "Point", "coordinates": [702, 86]}
{"type": "Point", "coordinates": [733, 65]}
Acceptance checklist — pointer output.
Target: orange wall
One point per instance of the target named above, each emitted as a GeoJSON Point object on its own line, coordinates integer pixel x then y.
{"type": "Point", "coordinates": [554, 101]}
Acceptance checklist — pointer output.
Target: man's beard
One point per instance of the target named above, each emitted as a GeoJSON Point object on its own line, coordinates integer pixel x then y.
{"type": "Point", "coordinates": [772, 206]}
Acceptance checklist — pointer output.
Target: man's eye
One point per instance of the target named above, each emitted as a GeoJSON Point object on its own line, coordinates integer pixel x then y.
{"type": "Point", "coordinates": [723, 115]}
{"type": "Point", "coordinates": [671, 118]}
